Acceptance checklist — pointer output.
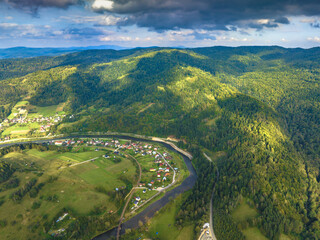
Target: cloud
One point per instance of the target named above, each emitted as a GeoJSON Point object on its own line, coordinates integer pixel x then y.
{"type": "Point", "coordinates": [100, 20]}
{"type": "Point", "coordinates": [99, 5]}
{"type": "Point", "coordinates": [87, 32]}
{"type": "Point", "coordinates": [282, 20]}
{"type": "Point", "coordinates": [41, 3]}
{"type": "Point", "coordinates": [207, 14]}
{"type": "Point", "coordinates": [314, 39]}
{"type": "Point", "coordinates": [315, 24]}
{"type": "Point", "coordinates": [30, 31]}
{"type": "Point", "coordinates": [14, 30]}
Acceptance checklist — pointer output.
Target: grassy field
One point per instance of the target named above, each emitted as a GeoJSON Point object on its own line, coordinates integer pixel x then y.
{"type": "Point", "coordinates": [253, 234]}
{"type": "Point", "coordinates": [162, 225]}
{"type": "Point", "coordinates": [38, 111]}
{"type": "Point", "coordinates": [80, 180]}
{"type": "Point", "coordinates": [243, 212]}
{"type": "Point", "coordinates": [72, 188]}
{"type": "Point", "coordinates": [16, 130]}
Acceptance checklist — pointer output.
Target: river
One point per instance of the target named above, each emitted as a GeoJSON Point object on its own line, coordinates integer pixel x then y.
{"type": "Point", "coordinates": [149, 211]}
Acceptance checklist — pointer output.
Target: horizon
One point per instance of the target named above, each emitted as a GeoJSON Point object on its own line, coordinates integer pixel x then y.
{"type": "Point", "coordinates": [90, 47]}
{"type": "Point", "coordinates": [171, 23]}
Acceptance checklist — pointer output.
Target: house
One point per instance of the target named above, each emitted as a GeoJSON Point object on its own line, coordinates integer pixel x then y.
{"type": "Point", "coordinates": [164, 179]}
{"type": "Point", "coordinates": [135, 203]}
{"type": "Point", "coordinates": [206, 225]}
{"type": "Point", "coordinates": [167, 169]}
{"type": "Point", "coordinates": [106, 156]}
{"type": "Point", "coordinates": [58, 143]}
{"type": "Point", "coordinates": [152, 182]}
{"type": "Point", "coordinates": [167, 174]}
{"type": "Point", "coordinates": [138, 199]}
{"type": "Point", "coordinates": [152, 170]}
{"type": "Point", "coordinates": [62, 217]}
{"type": "Point", "coordinates": [158, 175]}
{"type": "Point", "coordinates": [158, 179]}
{"type": "Point", "coordinates": [144, 191]}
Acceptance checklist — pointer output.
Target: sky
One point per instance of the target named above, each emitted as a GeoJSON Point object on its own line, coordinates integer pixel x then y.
{"type": "Point", "coordinates": [164, 23]}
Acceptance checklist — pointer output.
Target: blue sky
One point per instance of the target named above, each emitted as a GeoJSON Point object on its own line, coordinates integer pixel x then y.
{"type": "Point", "coordinates": [143, 23]}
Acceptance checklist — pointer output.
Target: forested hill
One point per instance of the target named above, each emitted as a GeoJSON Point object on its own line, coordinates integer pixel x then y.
{"type": "Point", "coordinates": [254, 109]}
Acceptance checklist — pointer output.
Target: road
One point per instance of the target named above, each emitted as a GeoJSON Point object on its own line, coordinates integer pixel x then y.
{"type": "Point", "coordinates": [129, 198]}
{"type": "Point", "coordinates": [160, 190]}
{"type": "Point", "coordinates": [212, 235]}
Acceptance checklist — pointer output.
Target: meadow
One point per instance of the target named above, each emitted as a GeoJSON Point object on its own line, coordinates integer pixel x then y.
{"type": "Point", "coordinates": [77, 180]}
{"type": "Point", "coordinates": [81, 189]}
{"type": "Point", "coordinates": [163, 225]}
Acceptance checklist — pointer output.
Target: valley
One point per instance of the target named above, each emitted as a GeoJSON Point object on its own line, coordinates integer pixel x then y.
{"type": "Point", "coordinates": [82, 179]}
{"type": "Point", "coordinates": [248, 116]}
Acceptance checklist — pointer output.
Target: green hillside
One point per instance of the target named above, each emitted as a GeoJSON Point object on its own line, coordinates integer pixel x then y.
{"type": "Point", "coordinates": [259, 106]}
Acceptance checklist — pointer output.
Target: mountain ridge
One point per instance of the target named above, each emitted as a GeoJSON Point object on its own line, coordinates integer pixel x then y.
{"type": "Point", "coordinates": [257, 105]}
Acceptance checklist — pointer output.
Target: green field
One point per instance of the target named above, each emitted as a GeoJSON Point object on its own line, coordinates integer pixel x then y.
{"type": "Point", "coordinates": [20, 129]}
{"type": "Point", "coordinates": [243, 212]}
{"type": "Point", "coordinates": [162, 225]}
{"type": "Point", "coordinates": [77, 180]}
{"type": "Point", "coordinates": [36, 111]}
{"type": "Point", "coordinates": [47, 111]}
{"type": "Point", "coordinates": [74, 188]}
{"type": "Point", "coordinates": [253, 234]}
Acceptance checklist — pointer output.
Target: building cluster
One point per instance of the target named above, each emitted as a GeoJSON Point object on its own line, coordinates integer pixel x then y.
{"type": "Point", "coordinates": [45, 127]}
{"type": "Point", "coordinates": [26, 120]}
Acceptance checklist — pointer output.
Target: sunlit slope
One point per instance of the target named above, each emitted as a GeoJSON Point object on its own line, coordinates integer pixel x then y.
{"type": "Point", "coordinates": [259, 106]}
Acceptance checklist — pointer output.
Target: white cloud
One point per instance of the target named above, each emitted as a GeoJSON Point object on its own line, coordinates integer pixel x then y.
{"type": "Point", "coordinates": [263, 21]}
{"type": "Point", "coordinates": [314, 39]}
{"type": "Point", "coordinates": [309, 20]}
{"type": "Point", "coordinates": [102, 5]}
{"type": "Point", "coordinates": [8, 25]}
{"type": "Point", "coordinates": [110, 20]}
{"type": "Point", "coordinates": [104, 20]}
{"type": "Point", "coordinates": [232, 39]}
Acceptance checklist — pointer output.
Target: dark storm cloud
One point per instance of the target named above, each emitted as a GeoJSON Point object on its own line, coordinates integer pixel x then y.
{"type": "Point", "coordinates": [208, 14]}
{"type": "Point", "coordinates": [282, 20]}
{"type": "Point", "coordinates": [315, 25]}
{"type": "Point", "coordinates": [35, 4]}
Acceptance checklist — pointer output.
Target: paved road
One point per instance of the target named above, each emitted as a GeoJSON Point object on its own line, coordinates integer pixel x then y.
{"type": "Point", "coordinates": [212, 235]}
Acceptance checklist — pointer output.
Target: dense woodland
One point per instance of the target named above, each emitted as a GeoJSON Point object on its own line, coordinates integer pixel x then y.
{"type": "Point", "coordinates": [257, 105]}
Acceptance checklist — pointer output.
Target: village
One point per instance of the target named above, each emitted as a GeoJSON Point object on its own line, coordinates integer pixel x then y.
{"type": "Point", "coordinates": [37, 124]}
{"type": "Point", "coordinates": [158, 166]}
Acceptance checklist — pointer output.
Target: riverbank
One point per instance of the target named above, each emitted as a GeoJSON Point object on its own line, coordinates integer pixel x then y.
{"type": "Point", "coordinates": [150, 210]}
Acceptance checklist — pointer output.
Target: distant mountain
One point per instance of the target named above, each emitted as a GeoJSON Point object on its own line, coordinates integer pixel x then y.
{"type": "Point", "coordinates": [25, 52]}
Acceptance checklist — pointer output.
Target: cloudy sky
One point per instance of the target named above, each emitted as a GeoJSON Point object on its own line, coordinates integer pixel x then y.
{"type": "Point", "coordinates": [142, 23]}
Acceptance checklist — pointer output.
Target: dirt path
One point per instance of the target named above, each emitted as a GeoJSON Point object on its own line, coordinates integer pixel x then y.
{"type": "Point", "coordinates": [76, 164]}
{"type": "Point", "coordinates": [129, 198]}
